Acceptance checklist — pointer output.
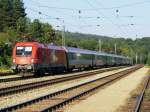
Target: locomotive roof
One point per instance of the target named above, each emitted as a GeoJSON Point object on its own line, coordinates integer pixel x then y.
{"type": "Point", "coordinates": [29, 44]}
{"type": "Point", "coordinates": [55, 47]}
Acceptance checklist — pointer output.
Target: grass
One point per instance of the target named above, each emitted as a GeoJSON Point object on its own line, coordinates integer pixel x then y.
{"type": "Point", "coordinates": [147, 66]}
{"type": "Point", "coordinates": [5, 69]}
{"type": "Point", "coordinates": [147, 94]}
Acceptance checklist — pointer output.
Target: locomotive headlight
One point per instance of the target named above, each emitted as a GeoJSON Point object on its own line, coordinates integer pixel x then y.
{"type": "Point", "coordinates": [32, 60]}
{"type": "Point", "coordinates": [13, 67]}
{"type": "Point", "coordinates": [14, 60]}
{"type": "Point", "coordinates": [29, 67]}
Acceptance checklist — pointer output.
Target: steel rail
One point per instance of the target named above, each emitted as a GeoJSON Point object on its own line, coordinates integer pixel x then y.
{"type": "Point", "coordinates": [6, 74]}
{"type": "Point", "coordinates": [12, 79]}
{"type": "Point", "coordinates": [29, 102]}
{"type": "Point", "coordinates": [140, 99]}
{"type": "Point", "coordinates": [19, 78]}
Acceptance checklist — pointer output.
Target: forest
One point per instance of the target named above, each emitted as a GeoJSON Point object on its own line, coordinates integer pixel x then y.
{"type": "Point", "coordinates": [14, 25]}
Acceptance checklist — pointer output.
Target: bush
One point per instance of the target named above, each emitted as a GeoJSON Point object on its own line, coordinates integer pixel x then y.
{"type": "Point", "coordinates": [5, 68]}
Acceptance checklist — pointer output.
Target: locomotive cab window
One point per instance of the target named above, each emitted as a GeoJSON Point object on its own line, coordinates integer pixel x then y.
{"type": "Point", "coordinates": [23, 50]}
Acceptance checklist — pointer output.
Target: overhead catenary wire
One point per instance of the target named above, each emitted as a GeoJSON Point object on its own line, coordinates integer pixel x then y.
{"type": "Point", "coordinates": [120, 20]}
{"type": "Point", "coordinates": [60, 19]}
{"type": "Point", "coordinates": [89, 17]}
{"type": "Point", "coordinates": [117, 17]}
{"type": "Point", "coordinates": [107, 18]}
{"type": "Point", "coordinates": [79, 17]}
{"type": "Point", "coordinates": [85, 9]}
{"type": "Point", "coordinates": [74, 16]}
{"type": "Point", "coordinates": [117, 11]}
{"type": "Point", "coordinates": [83, 17]}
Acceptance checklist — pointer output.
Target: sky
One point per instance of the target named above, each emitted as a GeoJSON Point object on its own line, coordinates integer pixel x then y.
{"type": "Point", "coordinates": [114, 18]}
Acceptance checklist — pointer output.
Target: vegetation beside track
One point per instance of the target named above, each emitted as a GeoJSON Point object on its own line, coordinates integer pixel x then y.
{"type": "Point", "coordinates": [5, 69]}
{"type": "Point", "coordinates": [147, 94]}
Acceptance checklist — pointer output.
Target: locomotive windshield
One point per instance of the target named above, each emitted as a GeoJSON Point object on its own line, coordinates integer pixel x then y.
{"type": "Point", "coordinates": [23, 50]}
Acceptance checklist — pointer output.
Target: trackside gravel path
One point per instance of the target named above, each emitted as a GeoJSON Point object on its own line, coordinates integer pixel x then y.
{"type": "Point", "coordinates": [112, 97]}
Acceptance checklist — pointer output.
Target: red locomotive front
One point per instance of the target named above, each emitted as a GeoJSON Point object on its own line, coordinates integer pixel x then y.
{"type": "Point", "coordinates": [38, 58]}
{"type": "Point", "coordinates": [25, 56]}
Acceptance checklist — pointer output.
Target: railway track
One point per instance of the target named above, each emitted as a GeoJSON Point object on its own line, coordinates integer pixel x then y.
{"type": "Point", "coordinates": [28, 86]}
{"type": "Point", "coordinates": [57, 99]}
{"type": "Point", "coordinates": [141, 104]}
{"type": "Point", "coordinates": [8, 77]}
{"type": "Point", "coordinates": [12, 78]}
{"type": "Point", "coordinates": [6, 74]}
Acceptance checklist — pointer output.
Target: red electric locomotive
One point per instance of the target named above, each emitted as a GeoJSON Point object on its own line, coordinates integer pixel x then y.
{"type": "Point", "coordinates": [38, 58]}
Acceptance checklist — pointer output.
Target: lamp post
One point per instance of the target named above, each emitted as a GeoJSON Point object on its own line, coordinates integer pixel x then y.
{"type": "Point", "coordinates": [136, 58]}
{"type": "Point", "coordinates": [100, 45]}
{"type": "Point", "coordinates": [115, 48]}
{"type": "Point", "coordinates": [63, 30]}
{"type": "Point", "coordinates": [99, 41]}
{"type": "Point", "coordinates": [63, 34]}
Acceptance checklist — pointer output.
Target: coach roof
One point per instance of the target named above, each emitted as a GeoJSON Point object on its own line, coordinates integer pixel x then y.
{"type": "Point", "coordinates": [78, 50]}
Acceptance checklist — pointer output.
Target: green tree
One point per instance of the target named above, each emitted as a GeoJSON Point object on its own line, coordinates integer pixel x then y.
{"type": "Point", "coordinates": [48, 33]}
{"type": "Point", "coordinates": [12, 35]}
{"type": "Point", "coordinates": [22, 25]}
{"type": "Point", "coordinates": [35, 30]}
{"type": "Point", "coordinates": [10, 12]}
{"type": "Point", "coordinates": [71, 42]}
{"type": "Point", "coordinates": [87, 44]}
{"type": "Point", "coordinates": [5, 14]}
{"type": "Point", "coordinates": [148, 59]}
{"type": "Point", "coordinates": [18, 10]}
